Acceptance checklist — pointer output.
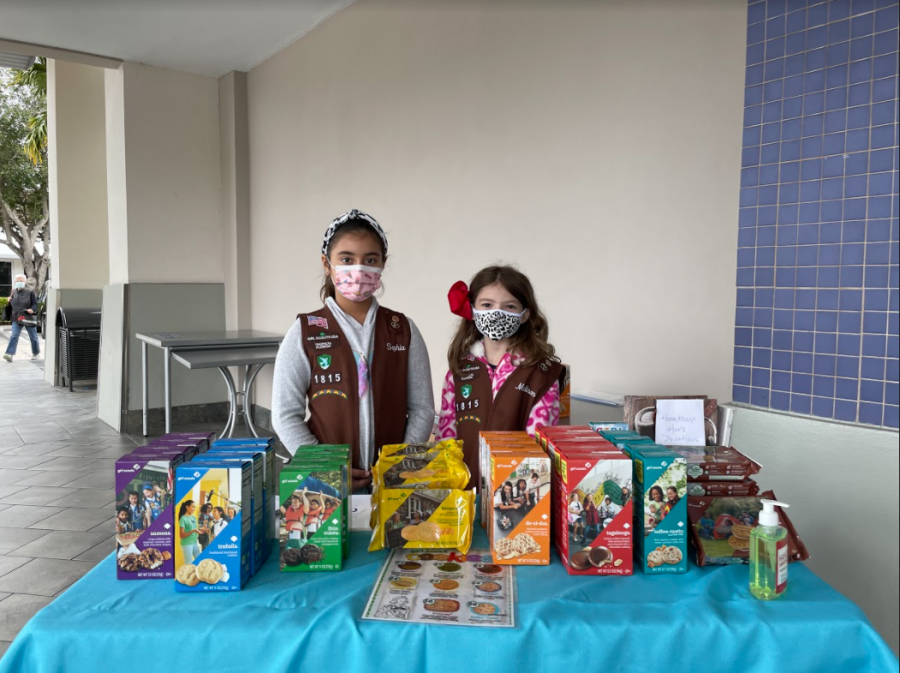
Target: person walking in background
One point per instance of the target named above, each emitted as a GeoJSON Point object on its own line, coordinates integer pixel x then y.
{"type": "Point", "coordinates": [23, 308]}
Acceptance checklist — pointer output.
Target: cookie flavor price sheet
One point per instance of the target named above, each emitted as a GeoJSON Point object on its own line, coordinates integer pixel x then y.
{"type": "Point", "coordinates": [437, 587]}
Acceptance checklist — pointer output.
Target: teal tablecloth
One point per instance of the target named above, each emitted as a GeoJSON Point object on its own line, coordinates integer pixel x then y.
{"type": "Point", "coordinates": [703, 621]}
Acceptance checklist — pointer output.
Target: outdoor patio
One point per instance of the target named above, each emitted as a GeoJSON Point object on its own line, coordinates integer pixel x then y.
{"type": "Point", "coordinates": [56, 488]}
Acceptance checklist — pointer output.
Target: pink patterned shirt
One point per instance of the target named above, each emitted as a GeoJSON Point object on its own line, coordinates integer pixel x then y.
{"type": "Point", "coordinates": [544, 412]}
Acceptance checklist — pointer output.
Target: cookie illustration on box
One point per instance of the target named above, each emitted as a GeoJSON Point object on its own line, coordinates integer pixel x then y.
{"type": "Point", "coordinates": [213, 532]}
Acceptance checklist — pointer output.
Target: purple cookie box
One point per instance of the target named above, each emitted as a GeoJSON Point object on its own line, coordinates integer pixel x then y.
{"type": "Point", "coordinates": [161, 533]}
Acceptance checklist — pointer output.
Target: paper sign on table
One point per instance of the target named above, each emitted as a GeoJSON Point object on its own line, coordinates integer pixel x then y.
{"type": "Point", "coordinates": [434, 586]}
{"type": "Point", "coordinates": [680, 423]}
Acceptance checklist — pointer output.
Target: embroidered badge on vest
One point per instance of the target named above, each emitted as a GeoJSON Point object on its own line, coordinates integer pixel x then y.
{"type": "Point", "coordinates": [324, 361]}
{"type": "Point", "coordinates": [317, 321]}
{"type": "Point", "coordinates": [466, 391]}
{"type": "Point", "coordinates": [330, 391]}
{"type": "Point", "coordinates": [462, 419]}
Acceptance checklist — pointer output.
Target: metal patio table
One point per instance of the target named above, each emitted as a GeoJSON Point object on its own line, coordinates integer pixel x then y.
{"type": "Point", "coordinates": [222, 349]}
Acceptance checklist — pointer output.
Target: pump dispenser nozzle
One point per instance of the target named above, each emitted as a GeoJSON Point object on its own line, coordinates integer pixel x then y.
{"type": "Point", "coordinates": [768, 516]}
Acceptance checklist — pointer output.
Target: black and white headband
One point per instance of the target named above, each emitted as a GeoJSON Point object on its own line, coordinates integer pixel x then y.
{"type": "Point", "coordinates": [346, 217]}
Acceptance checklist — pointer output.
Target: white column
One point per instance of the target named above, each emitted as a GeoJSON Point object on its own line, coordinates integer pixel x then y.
{"type": "Point", "coordinates": [77, 178]}
{"type": "Point", "coordinates": [234, 146]}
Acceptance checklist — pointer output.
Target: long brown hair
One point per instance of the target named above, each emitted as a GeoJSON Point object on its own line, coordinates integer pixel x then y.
{"type": "Point", "coordinates": [357, 226]}
{"type": "Point", "coordinates": [531, 339]}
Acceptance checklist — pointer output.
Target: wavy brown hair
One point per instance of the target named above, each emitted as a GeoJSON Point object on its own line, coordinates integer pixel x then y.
{"type": "Point", "coordinates": [531, 338]}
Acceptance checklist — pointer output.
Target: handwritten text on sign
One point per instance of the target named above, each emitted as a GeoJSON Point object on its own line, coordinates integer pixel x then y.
{"type": "Point", "coordinates": [680, 423]}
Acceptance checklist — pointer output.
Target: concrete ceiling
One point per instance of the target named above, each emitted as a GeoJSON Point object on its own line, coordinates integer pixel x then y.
{"type": "Point", "coordinates": [205, 37]}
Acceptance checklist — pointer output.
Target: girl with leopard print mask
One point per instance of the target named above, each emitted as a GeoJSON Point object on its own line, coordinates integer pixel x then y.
{"type": "Point", "coordinates": [504, 374]}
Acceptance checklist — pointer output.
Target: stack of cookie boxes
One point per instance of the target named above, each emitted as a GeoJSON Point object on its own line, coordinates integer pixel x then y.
{"type": "Point", "coordinates": [313, 509]}
{"type": "Point", "coordinates": [236, 478]}
{"type": "Point", "coordinates": [592, 504]}
{"type": "Point", "coordinates": [145, 526]}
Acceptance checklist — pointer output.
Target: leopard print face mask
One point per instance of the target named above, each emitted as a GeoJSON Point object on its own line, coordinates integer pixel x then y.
{"type": "Point", "coordinates": [497, 325]}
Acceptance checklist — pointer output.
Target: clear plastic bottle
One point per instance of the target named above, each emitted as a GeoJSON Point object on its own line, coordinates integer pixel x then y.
{"type": "Point", "coordinates": [769, 554]}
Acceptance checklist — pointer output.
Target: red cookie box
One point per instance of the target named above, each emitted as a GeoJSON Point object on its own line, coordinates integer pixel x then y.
{"type": "Point", "coordinates": [573, 444]}
{"type": "Point", "coordinates": [605, 548]}
{"type": "Point", "coordinates": [543, 433]}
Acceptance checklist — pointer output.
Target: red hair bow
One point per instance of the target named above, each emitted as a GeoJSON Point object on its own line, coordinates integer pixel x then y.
{"type": "Point", "coordinates": [459, 300]}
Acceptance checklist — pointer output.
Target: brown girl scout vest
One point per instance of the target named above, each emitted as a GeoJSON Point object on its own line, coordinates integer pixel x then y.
{"type": "Point", "coordinates": [333, 395]}
{"type": "Point", "coordinates": [477, 412]}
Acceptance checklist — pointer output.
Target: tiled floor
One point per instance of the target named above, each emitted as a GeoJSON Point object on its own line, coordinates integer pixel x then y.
{"type": "Point", "coordinates": [56, 489]}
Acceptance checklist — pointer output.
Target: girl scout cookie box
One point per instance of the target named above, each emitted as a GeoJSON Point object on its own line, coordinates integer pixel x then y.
{"type": "Point", "coordinates": [594, 509]}
{"type": "Point", "coordinates": [257, 524]}
{"type": "Point", "coordinates": [144, 527]}
{"type": "Point", "coordinates": [662, 524]}
{"type": "Point", "coordinates": [224, 564]}
{"type": "Point", "coordinates": [312, 515]}
{"type": "Point", "coordinates": [716, 463]}
{"type": "Point", "coordinates": [721, 529]}
{"type": "Point", "coordinates": [328, 452]}
{"type": "Point", "coordinates": [519, 490]}
{"type": "Point", "coordinates": [269, 483]}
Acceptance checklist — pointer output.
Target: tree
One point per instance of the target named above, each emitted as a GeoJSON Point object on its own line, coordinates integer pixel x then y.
{"type": "Point", "coordinates": [35, 77]}
{"type": "Point", "coordinates": [24, 191]}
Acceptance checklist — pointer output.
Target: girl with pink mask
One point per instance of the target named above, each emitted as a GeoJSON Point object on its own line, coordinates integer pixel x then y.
{"type": "Point", "coordinates": [361, 370]}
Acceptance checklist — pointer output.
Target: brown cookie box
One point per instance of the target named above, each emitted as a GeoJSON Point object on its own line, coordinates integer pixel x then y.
{"type": "Point", "coordinates": [716, 463]}
{"type": "Point", "coordinates": [698, 506]}
{"type": "Point", "coordinates": [718, 489]}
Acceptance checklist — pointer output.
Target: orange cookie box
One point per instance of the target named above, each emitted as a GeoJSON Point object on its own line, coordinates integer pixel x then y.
{"type": "Point", "coordinates": [519, 500]}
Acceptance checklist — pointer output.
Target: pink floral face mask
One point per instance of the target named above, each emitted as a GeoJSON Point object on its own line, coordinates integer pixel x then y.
{"type": "Point", "coordinates": [357, 282]}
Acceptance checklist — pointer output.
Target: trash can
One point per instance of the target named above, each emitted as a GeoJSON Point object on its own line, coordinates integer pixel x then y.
{"type": "Point", "coordinates": [78, 344]}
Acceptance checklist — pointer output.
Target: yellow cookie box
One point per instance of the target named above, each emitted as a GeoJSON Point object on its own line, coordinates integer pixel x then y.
{"type": "Point", "coordinates": [451, 445]}
{"type": "Point", "coordinates": [424, 519]}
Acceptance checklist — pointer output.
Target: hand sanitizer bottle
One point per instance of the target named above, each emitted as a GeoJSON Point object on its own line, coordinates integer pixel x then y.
{"type": "Point", "coordinates": [768, 554]}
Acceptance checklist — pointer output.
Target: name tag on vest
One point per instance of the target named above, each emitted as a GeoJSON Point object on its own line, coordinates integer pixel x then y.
{"type": "Point", "coordinates": [395, 348]}
{"type": "Point", "coordinates": [525, 389]}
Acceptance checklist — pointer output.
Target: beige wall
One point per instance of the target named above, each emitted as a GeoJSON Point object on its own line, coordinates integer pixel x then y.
{"type": "Point", "coordinates": [596, 146]}
{"type": "Point", "coordinates": [165, 222]}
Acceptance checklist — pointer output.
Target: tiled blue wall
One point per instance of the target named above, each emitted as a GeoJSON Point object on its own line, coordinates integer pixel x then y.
{"type": "Point", "coordinates": [817, 297]}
